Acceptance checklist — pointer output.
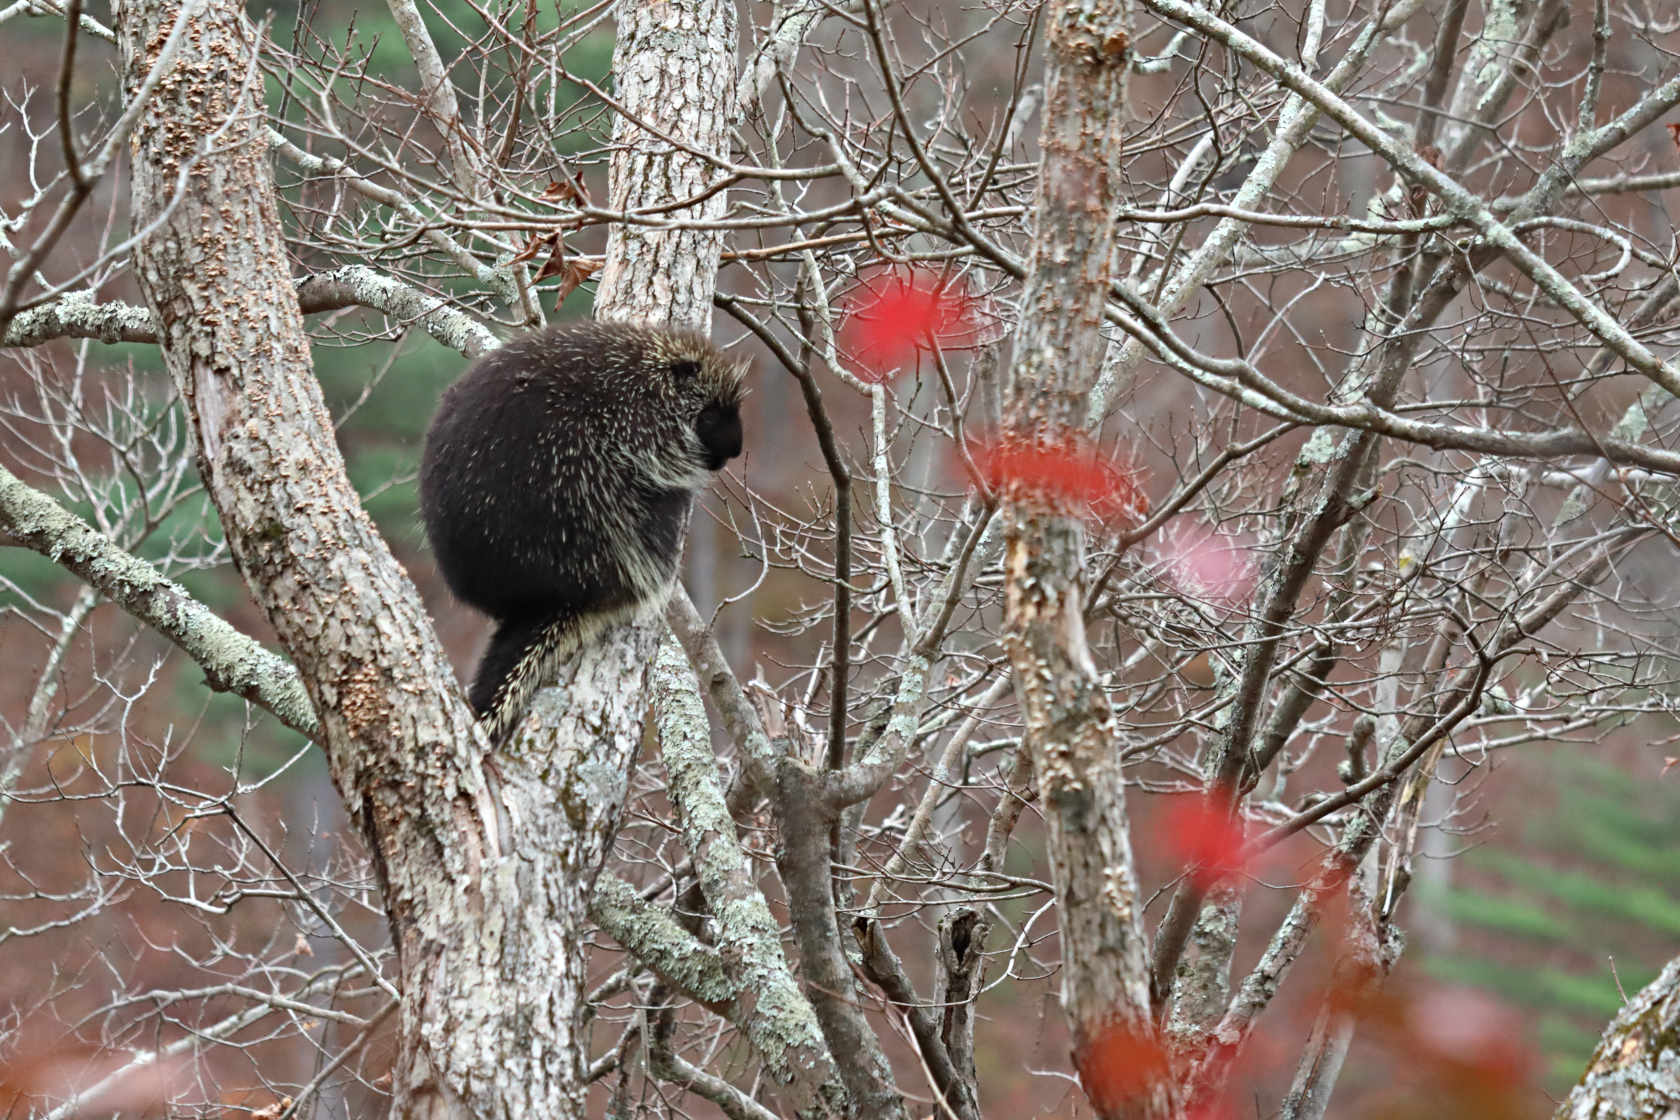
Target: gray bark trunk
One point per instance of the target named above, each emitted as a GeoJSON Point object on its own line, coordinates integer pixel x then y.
{"type": "Point", "coordinates": [403, 751]}
{"type": "Point", "coordinates": [1069, 724]}
{"type": "Point", "coordinates": [673, 67]}
{"type": "Point", "coordinates": [487, 870]}
{"type": "Point", "coordinates": [1635, 1072]}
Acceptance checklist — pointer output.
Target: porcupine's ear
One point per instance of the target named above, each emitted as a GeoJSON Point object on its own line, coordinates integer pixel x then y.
{"type": "Point", "coordinates": [685, 369]}
{"type": "Point", "coordinates": [728, 379]}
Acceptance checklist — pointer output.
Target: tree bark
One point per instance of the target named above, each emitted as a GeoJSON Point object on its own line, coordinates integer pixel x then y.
{"type": "Point", "coordinates": [402, 750]}
{"type": "Point", "coordinates": [486, 870]}
{"type": "Point", "coordinates": [1069, 724]}
{"type": "Point", "coordinates": [782, 1025]}
{"type": "Point", "coordinates": [1635, 1072]}
{"type": "Point", "coordinates": [674, 68]}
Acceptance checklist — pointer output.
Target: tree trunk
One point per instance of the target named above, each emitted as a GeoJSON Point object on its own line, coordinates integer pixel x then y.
{"type": "Point", "coordinates": [486, 870]}
{"type": "Point", "coordinates": [1635, 1072]}
{"type": "Point", "coordinates": [1070, 728]}
{"type": "Point", "coordinates": [673, 67]}
{"type": "Point", "coordinates": [213, 268]}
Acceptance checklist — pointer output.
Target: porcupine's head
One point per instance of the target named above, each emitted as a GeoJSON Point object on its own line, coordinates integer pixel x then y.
{"type": "Point", "coordinates": [709, 384]}
{"type": "Point", "coordinates": [683, 397]}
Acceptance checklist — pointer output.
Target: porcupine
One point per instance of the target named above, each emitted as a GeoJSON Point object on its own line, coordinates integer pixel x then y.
{"type": "Point", "coordinates": [556, 482]}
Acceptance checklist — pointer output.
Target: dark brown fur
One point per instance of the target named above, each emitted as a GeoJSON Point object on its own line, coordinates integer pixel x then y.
{"type": "Point", "coordinates": [556, 483]}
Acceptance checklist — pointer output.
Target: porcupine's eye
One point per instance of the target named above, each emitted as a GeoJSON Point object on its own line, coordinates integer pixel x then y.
{"type": "Point", "coordinates": [685, 370]}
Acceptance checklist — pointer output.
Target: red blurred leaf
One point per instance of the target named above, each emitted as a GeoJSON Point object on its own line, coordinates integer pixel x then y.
{"type": "Point", "coordinates": [1207, 839]}
{"type": "Point", "coordinates": [893, 314]}
{"type": "Point", "coordinates": [1069, 473]}
{"type": "Point", "coordinates": [1201, 563]}
{"type": "Point", "coordinates": [1474, 1042]}
{"type": "Point", "coordinates": [1218, 1110]}
{"type": "Point", "coordinates": [1120, 1066]}
{"type": "Point", "coordinates": [1466, 1049]}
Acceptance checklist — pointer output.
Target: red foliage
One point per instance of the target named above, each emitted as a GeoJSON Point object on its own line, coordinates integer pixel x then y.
{"type": "Point", "coordinates": [1201, 563]}
{"type": "Point", "coordinates": [1121, 1066]}
{"type": "Point", "coordinates": [1453, 1051]}
{"type": "Point", "coordinates": [1217, 1110]}
{"type": "Point", "coordinates": [895, 313]}
{"type": "Point", "coordinates": [1475, 1042]}
{"type": "Point", "coordinates": [1069, 473]}
{"type": "Point", "coordinates": [1125, 1065]}
{"type": "Point", "coordinates": [1209, 841]}
{"type": "Point", "coordinates": [1458, 1045]}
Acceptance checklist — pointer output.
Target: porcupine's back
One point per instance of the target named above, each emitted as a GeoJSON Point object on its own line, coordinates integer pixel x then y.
{"type": "Point", "coordinates": [556, 482]}
{"type": "Point", "coordinates": [529, 485]}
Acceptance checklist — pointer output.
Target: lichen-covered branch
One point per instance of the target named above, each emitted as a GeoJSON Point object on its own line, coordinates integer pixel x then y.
{"type": "Point", "coordinates": [783, 1025]}
{"type": "Point", "coordinates": [660, 943]}
{"type": "Point", "coordinates": [78, 315]}
{"type": "Point", "coordinates": [232, 662]}
{"type": "Point", "coordinates": [723, 688]}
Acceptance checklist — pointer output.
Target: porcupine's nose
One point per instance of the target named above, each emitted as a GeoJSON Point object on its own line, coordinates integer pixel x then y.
{"type": "Point", "coordinates": [719, 429]}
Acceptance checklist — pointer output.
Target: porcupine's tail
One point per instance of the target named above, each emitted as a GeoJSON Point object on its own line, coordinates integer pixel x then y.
{"type": "Point", "coordinates": [522, 657]}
